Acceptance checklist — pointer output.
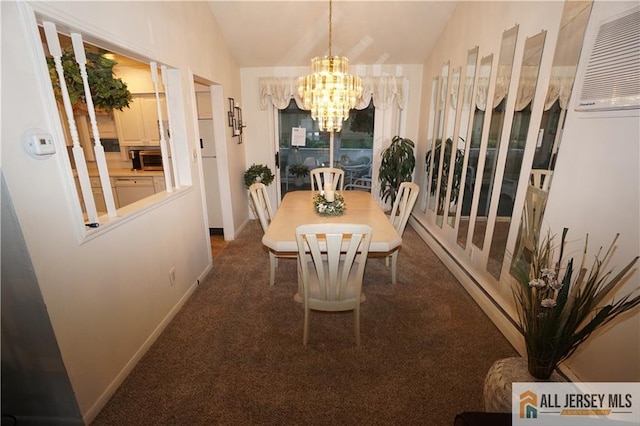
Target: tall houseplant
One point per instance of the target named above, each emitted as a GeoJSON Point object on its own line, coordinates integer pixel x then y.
{"type": "Point", "coordinates": [398, 162]}
{"type": "Point", "coordinates": [446, 172]}
{"type": "Point", "coordinates": [560, 306]}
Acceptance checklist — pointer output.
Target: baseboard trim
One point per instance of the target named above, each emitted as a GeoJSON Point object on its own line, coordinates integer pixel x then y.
{"type": "Point", "coordinates": [483, 299]}
{"type": "Point", "coordinates": [240, 228]}
{"type": "Point", "coordinates": [505, 324]}
{"type": "Point", "coordinates": [91, 414]}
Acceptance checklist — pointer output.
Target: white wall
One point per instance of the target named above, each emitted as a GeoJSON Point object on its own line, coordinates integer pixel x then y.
{"type": "Point", "coordinates": [596, 191]}
{"type": "Point", "coordinates": [109, 297]}
{"type": "Point", "coordinates": [595, 188]}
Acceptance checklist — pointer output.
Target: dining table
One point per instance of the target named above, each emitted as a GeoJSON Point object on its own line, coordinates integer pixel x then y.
{"type": "Point", "coordinates": [297, 209]}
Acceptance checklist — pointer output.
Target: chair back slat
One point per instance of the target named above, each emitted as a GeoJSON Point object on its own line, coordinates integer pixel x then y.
{"type": "Point", "coordinates": [261, 204]}
{"type": "Point", "coordinates": [323, 174]}
{"type": "Point", "coordinates": [402, 207]}
{"type": "Point", "coordinates": [334, 250]}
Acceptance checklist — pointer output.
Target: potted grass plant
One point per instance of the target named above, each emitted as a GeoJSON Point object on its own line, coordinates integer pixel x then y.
{"type": "Point", "coordinates": [561, 305]}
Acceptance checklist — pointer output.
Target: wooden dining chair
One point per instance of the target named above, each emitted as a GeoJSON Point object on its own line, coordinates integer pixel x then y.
{"type": "Point", "coordinates": [402, 207]}
{"type": "Point", "coordinates": [331, 262]}
{"type": "Point", "coordinates": [263, 210]}
{"type": "Point", "coordinates": [320, 175]}
{"type": "Point", "coordinates": [535, 202]}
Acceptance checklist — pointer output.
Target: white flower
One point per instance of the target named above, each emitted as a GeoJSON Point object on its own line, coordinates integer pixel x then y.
{"type": "Point", "coordinates": [548, 273]}
{"type": "Point", "coordinates": [548, 303]}
{"type": "Point", "coordinates": [538, 283]}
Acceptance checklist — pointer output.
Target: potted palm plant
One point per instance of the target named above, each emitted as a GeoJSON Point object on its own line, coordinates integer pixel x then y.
{"type": "Point", "coordinates": [446, 171]}
{"type": "Point", "coordinates": [398, 162]}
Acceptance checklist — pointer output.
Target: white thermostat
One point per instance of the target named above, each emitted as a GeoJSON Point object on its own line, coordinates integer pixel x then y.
{"type": "Point", "coordinates": [38, 144]}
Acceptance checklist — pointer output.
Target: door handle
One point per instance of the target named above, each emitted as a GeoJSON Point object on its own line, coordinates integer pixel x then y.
{"type": "Point", "coordinates": [277, 160]}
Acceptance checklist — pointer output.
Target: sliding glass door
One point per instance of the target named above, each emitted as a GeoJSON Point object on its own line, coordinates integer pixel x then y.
{"type": "Point", "coordinates": [353, 146]}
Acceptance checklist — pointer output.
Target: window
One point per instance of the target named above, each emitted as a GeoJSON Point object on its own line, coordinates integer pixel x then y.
{"type": "Point", "coordinates": [129, 135]}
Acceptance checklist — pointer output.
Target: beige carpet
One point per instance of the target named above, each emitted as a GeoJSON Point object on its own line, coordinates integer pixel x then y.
{"type": "Point", "coordinates": [234, 353]}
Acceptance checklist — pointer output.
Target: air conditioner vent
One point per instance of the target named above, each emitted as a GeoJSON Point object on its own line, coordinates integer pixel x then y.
{"type": "Point", "coordinates": [612, 77]}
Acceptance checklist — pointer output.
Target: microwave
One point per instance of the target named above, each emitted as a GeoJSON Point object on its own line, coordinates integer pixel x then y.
{"type": "Point", "coordinates": [146, 159]}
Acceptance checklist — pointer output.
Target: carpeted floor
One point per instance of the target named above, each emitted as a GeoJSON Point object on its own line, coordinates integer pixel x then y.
{"type": "Point", "coordinates": [234, 353]}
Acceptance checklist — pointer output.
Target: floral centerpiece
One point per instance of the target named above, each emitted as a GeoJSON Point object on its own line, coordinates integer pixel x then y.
{"type": "Point", "coordinates": [329, 208]}
{"type": "Point", "coordinates": [559, 306]}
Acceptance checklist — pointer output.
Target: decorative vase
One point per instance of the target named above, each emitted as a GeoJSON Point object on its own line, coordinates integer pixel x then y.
{"type": "Point", "coordinates": [499, 379]}
{"type": "Point", "coordinates": [541, 368]}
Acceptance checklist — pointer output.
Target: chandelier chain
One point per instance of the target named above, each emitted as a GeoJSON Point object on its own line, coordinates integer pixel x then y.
{"type": "Point", "coordinates": [330, 25]}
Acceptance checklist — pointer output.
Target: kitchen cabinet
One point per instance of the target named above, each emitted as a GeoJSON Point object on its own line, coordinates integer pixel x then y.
{"type": "Point", "coordinates": [130, 189]}
{"type": "Point", "coordinates": [138, 125]}
{"type": "Point", "coordinates": [159, 184]}
{"type": "Point", "coordinates": [203, 102]}
{"type": "Point", "coordinates": [98, 194]}
{"type": "Point", "coordinates": [126, 188]}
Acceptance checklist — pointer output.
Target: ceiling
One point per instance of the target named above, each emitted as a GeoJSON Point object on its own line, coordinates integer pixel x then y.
{"type": "Point", "coordinates": [289, 33]}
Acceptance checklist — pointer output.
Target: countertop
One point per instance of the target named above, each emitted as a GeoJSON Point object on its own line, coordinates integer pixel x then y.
{"type": "Point", "coordinates": [125, 173]}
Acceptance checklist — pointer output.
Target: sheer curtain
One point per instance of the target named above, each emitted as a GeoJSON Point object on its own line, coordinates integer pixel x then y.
{"type": "Point", "coordinates": [387, 92]}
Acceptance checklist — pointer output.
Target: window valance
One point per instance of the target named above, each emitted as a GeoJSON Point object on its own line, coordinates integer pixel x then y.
{"type": "Point", "coordinates": [384, 90]}
{"type": "Point", "coordinates": [560, 86]}
{"type": "Point", "coordinates": [482, 93]}
{"type": "Point", "coordinates": [526, 87]}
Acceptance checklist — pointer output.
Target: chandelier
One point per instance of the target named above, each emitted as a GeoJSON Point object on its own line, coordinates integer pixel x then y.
{"type": "Point", "coordinates": [329, 92]}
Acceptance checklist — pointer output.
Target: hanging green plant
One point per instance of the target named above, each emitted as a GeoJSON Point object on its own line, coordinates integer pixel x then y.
{"type": "Point", "coordinates": [108, 92]}
{"type": "Point", "coordinates": [258, 173]}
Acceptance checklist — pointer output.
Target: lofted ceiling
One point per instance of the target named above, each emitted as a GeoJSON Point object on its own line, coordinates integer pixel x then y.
{"type": "Point", "coordinates": [289, 33]}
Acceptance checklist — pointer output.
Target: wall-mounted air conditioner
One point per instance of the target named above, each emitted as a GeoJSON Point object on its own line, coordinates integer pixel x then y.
{"type": "Point", "coordinates": [612, 77]}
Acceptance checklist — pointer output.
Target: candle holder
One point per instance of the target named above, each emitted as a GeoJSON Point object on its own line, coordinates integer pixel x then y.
{"type": "Point", "coordinates": [329, 208]}
{"type": "Point", "coordinates": [235, 119]}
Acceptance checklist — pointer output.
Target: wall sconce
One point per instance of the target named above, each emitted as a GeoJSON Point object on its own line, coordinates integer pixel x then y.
{"type": "Point", "coordinates": [235, 119]}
